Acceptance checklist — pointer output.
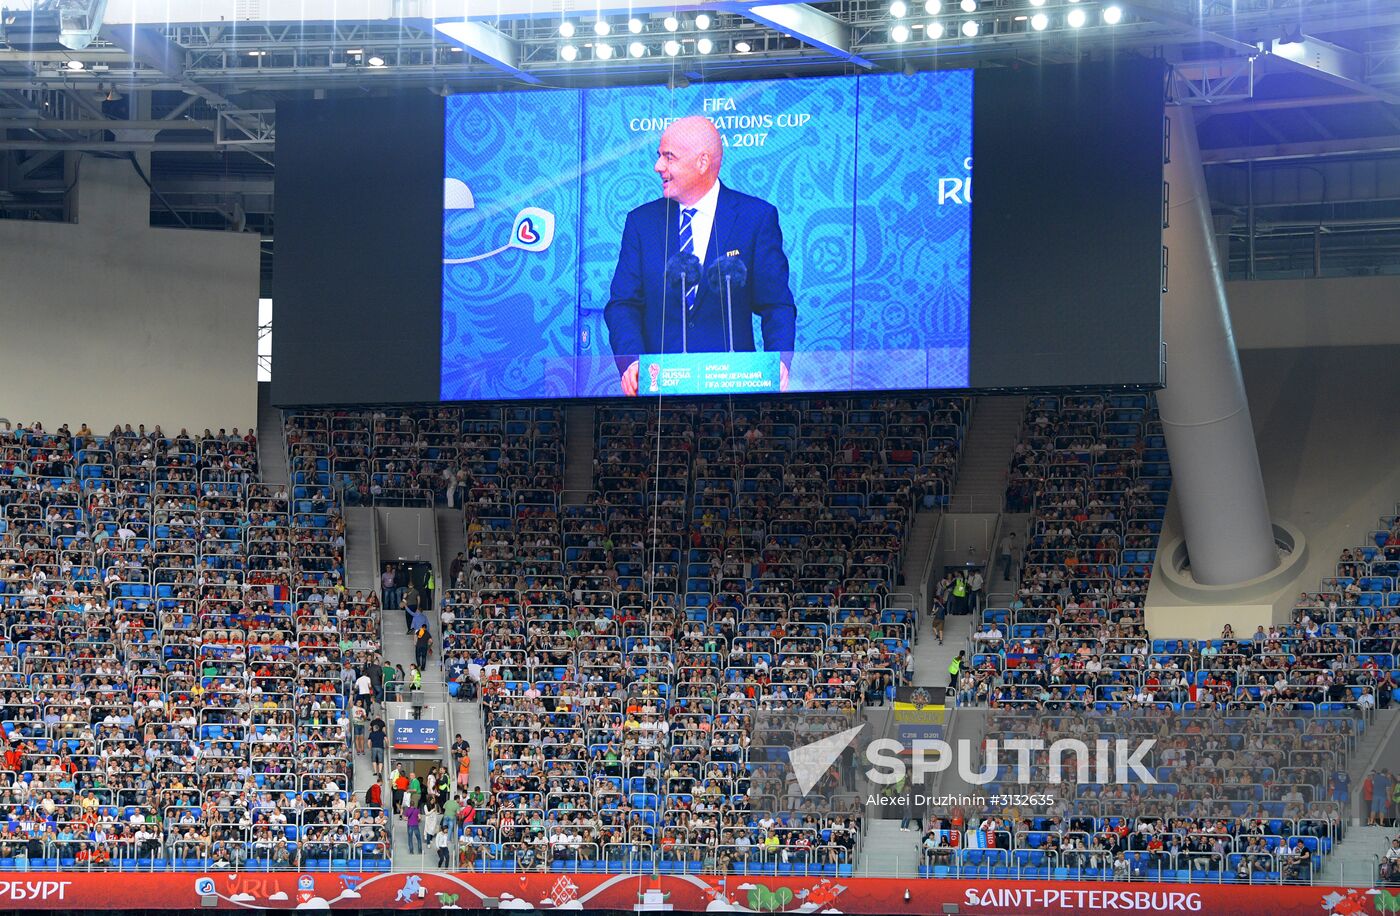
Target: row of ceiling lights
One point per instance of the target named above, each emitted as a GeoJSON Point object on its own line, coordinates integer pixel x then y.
{"type": "Point", "coordinates": [602, 50]}
{"type": "Point", "coordinates": [898, 8]}
{"type": "Point", "coordinates": [570, 52]}
{"type": "Point", "coordinates": [1076, 18]}
{"type": "Point", "coordinates": [603, 28]}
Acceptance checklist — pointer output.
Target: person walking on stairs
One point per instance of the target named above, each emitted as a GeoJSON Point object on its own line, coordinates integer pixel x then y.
{"type": "Point", "coordinates": [1380, 798]}
{"type": "Point", "coordinates": [377, 734]}
{"type": "Point", "coordinates": [422, 643]}
{"type": "Point", "coordinates": [955, 668]}
{"type": "Point", "coordinates": [1007, 554]}
{"type": "Point", "coordinates": [398, 782]}
{"type": "Point", "coordinates": [415, 690]}
{"type": "Point", "coordinates": [411, 818]}
{"type": "Point", "coordinates": [411, 600]}
{"type": "Point", "coordinates": [957, 595]}
{"type": "Point", "coordinates": [442, 844]}
{"type": "Point", "coordinates": [388, 586]}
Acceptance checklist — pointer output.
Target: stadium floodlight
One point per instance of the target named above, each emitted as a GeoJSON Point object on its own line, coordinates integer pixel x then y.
{"type": "Point", "coordinates": [1076, 18]}
{"type": "Point", "coordinates": [375, 61]}
{"type": "Point", "coordinates": [566, 29]}
{"type": "Point", "coordinates": [968, 6]}
{"type": "Point", "coordinates": [1113, 14]}
{"type": "Point", "coordinates": [75, 65]}
{"type": "Point", "coordinates": [702, 22]}
{"type": "Point", "coordinates": [935, 30]}
{"type": "Point", "coordinates": [743, 47]}
{"type": "Point", "coordinates": [602, 28]}
{"type": "Point", "coordinates": [900, 33]}
{"type": "Point", "coordinates": [569, 52]}
{"type": "Point", "coordinates": [672, 23]}
{"type": "Point", "coordinates": [634, 25]}
{"type": "Point", "coordinates": [1037, 2]}
{"type": "Point", "coordinates": [898, 8]}
{"type": "Point", "coordinates": [673, 47]}
{"type": "Point", "coordinates": [704, 46]}
{"type": "Point", "coordinates": [970, 29]}
{"type": "Point", "coordinates": [1040, 21]}
{"type": "Point", "coordinates": [933, 7]}
{"type": "Point", "coordinates": [637, 49]}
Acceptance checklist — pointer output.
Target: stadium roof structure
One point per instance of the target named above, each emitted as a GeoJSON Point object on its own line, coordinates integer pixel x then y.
{"type": "Point", "coordinates": [196, 82]}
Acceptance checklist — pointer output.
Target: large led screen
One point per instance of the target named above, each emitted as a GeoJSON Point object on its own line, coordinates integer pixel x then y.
{"type": "Point", "coordinates": [789, 235]}
{"type": "Point", "coordinates": [479, 246]}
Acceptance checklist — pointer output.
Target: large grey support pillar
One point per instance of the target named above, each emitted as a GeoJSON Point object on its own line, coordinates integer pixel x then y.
{"type": "Point", "coordinates": [1215, 464]}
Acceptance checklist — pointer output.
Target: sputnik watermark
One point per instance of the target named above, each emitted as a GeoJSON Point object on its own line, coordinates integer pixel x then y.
{"type": "Point", "coordinates": [1119, 761]}
{"type": "Point", "coordinates": [933, 755]}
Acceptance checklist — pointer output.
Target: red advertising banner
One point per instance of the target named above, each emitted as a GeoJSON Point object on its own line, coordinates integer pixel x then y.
{"type": "Point", "coordinates": [666, 893]}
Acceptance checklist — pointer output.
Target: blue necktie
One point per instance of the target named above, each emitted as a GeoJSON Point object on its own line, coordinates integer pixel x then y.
{"type": "Point", "coordinates": [688, 247]}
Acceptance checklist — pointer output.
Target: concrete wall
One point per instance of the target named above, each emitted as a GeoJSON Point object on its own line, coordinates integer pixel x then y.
{"type": "Point", "coordinates": [1340, 312]}
{"type": "Point", "coordinates": [964, 539]}
{"type": "Point", "coordinates": [408, 534]}
{"type": "Point", "coordinates": [1319, 360]}
{"type": "Point", "coordinates": [108, 320]}
{"type": "Point", "coordinates": [1328, 430]}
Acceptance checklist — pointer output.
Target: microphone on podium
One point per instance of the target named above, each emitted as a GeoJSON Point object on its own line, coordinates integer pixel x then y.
{"type": "Point", "coordinates": [723, 275]}
{"type": "Point", "coordinates": [683, 269]}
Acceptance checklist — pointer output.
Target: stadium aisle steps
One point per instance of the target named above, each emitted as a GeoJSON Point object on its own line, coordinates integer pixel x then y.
{"type": "Point", "coordinates": [915, 559]}
{"type": "Point", "coordinates": [452, 540]}
{"type": "Point", "coordinates": [1000, 591]}
{"type": "Point", "coordinates": [1354, 861]}
{"type": "Point", "coordinates": [887, 850]}
{"type": "Point", "coordinates": [986, 454]}
{"type": "Point", "coordinates": [931, 660]}
{"type": "Point", "coordinates": [1384, 729]}
{"type": "Point", "coordinates": [361, 562]}
{"type": "Point", "coordinates": [579, 445]}
{"type": "Point", "coordinates": [398, 649]}
{"type": "Point", "coordinates": [272, 440]}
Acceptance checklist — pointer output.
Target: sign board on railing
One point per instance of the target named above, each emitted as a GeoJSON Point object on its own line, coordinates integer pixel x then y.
{"type": "Point", "coordinates": [416, 735]}
{"type": "Point", "coordinates": [764, 892]}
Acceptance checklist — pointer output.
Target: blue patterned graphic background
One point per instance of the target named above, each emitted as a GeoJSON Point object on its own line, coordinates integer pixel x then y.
{"type": "Point", "coordinates": [879, 270]}
{"type": "Point", "coordinates": [912, 252]}
{"type": "Point", "coordinates": [509, 321]}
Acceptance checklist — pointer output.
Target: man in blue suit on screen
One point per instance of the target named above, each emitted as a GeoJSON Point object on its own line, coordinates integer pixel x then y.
{"type": "Point", "coordinates": [661, 301]}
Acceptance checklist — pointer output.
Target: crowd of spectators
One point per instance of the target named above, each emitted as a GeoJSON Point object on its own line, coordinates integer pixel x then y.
{"type": "Point", "coordinates": [176, 646]}
{"type": "Point", "coordinates": [1250, 794]}
{"type": "Point", "coordinates": [1390, 865]}
{"type": "Point", "coordinates": [1253, 786]}
{"type": "Point", "coordinates": [730, 558]}
{"type": "Point", "coordinates": [180, 676]}
{"type": "Point", "coordinates": [426, 456]}
{"type": "Point", "coordinates": [1092, 470]}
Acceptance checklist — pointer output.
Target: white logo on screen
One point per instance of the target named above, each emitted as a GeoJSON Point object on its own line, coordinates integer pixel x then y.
{"type": "Point", "coordinates": [532, 229]}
